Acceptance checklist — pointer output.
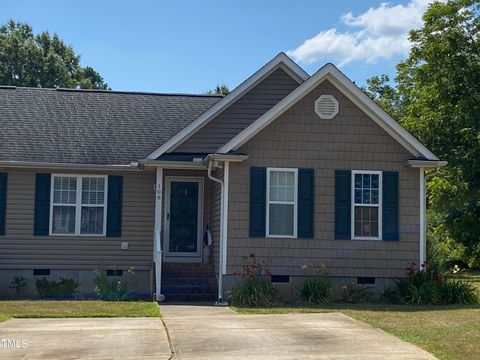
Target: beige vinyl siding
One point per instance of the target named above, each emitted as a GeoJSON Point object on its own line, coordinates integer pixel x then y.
{"type": "Point", "coordinates": [351, 140]}
{"type": "Point", "coordinates": [214, 218]}
{"type": "Point", "coordinates": [241, 114]}
{"type": "Point", "coordinates": [19, 249]}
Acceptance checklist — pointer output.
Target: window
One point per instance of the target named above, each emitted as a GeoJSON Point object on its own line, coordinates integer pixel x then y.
{"type": "Point", "coordinates": [78, 205]}
{"type": "Point", "coordinates": [366, 207]}
{"type": "Point", "coordinates": [282, 202]}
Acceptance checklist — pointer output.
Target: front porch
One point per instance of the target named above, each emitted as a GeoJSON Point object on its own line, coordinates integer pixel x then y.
{"type": "Point", "coordinates": [191, 206]}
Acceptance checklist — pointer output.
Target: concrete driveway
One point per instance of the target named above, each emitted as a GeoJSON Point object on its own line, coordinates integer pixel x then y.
{"type": "Point", "coordinates": [203, 332]}
{"type": "Point", "coordinates": [92, 338]}
{"type": "Point", "coordinates": [206, 332]}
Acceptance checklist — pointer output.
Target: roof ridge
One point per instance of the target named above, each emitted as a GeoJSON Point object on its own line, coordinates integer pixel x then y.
{"type": "Point", "coordinates": [126, 92]}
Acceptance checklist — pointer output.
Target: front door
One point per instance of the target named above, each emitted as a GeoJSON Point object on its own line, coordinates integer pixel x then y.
{"type": "Point", "coordinates": [183, 222]}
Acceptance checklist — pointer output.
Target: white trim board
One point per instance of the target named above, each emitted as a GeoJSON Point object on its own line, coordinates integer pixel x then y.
{"type": "Point", "coordinates": [78, 204]}
{"type": "Point", "coordinates": [281, 60]}
{"type": "Point", "coordinates": [354, 93]}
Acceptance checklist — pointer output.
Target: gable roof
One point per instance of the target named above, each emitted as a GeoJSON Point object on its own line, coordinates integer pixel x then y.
{"type": "Point", "coordinates": [280, 61]}
{"type": "Point", "coordinates": [90, 126]}
{"type": "Point", "coordinates": [353, 92]}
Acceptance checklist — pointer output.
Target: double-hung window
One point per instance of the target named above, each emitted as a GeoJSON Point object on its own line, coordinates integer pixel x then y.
{"type": "Point", "coordinates": [78, 205]}
{"type": "Point", "coordinates": [366, 204]}
{"type": "Point", "coordinates": [281, 202]}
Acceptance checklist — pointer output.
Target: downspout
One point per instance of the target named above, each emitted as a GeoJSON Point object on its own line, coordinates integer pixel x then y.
{"type": "Point", "coordinates": [423, 243]}
{"type": "Point", "coordinates": [220, 301]}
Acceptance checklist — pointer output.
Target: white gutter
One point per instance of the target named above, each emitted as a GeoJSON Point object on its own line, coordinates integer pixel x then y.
{"type": "Point", "coordinates": [220, 301]}
{"type": "Point", "coordinates": [157, 243]}
{"type": "Point", "coordinates": [415, 163]}
{"type": "Point", "coordinates": [174, 164]}
{"type": "Point", "coordinates": [133, 166]}
{"type": "Point", "coordinates": [226, 157]}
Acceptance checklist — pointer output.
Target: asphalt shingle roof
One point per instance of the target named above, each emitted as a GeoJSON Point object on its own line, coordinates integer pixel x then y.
{"type": "Point", "coordinates": [91, 127]}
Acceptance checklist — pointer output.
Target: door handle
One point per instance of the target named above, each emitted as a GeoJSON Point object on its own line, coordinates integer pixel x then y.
{"type": "Point", "coordinates": [168, 216]}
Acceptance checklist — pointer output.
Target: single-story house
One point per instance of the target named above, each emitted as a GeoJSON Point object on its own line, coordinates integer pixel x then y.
{"type": "Point", "coordinates": [294, 168]}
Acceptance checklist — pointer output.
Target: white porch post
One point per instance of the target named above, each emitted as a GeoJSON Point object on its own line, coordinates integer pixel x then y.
{"type": "Point", "coordinates": [157, 247]}
{"type": "Point", "coordinates": [423, 242]}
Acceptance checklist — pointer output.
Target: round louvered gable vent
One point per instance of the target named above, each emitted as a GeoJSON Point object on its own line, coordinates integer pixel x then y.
{"type": "Point", "coordinates": [326, 107]}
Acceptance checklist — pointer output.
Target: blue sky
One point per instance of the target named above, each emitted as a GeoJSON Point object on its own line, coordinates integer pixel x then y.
{"type": "Point", "coordinates": [190, 46]}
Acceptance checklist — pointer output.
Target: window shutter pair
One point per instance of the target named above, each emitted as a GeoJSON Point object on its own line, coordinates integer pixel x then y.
{"type": "Point", "coordinates": [42, 205]}
{"type": "Point", "coordinates": [3, 201]}
{"type": "Point", "coordinates": [343, 204]}
{"type": "Point", "coordinates": [258, 202]}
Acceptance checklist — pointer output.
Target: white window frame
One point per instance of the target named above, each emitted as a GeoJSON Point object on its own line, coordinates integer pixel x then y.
{"type": "Point", "coordinates": [78, 205]}
{"type": "Point", "coordinates": [295, 202]}
{"type": "Point", "coordinates": [379, 205]}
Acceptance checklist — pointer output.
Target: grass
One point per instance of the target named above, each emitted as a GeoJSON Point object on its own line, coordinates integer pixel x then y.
{"type": "Point", "coordinates": [470, 276]}
{"type": "Point", "coordinates": [74, 309]}
{"type": "Point", "coordinates": [448, 332]}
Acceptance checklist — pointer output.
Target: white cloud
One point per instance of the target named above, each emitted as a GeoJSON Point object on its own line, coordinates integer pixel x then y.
{"type": "Point", "coordinates": [378, 33]}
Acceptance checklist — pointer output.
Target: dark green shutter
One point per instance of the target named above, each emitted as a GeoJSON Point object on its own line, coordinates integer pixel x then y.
{"type": "Point", "coordinates": [343, 194]}
{"type": "Point", "coordinates": [3, 201]}
{"type": "Point", "coordinates": [114, 206]}
{"type": "Point", "coordinates": [258, 184]}
{"type": "Point", "coordinates": [306, 200]}
{"type": "Point", "coordinates": [41, 223]}
{"type": "Point", "coordinates": [390, 211]}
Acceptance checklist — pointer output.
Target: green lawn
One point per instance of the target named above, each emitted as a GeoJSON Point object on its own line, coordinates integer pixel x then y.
{"type": "Point", "coordinates": [87, 308]}
{"type": "Point", "coordinates": [448, 332]}
{"type": "Point", "coordinates": [470, 276]}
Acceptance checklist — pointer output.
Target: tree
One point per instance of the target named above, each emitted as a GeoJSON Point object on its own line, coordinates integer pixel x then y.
{"type": "Point", "coordinates": [220, 89]}
{"type": "Point", "coordinates": [41, 60]}
{"type": "Point", "coordinates": [437, 98]}
{"type": "Point", "coordinates": [384, 94]}
{"type": "Point", "coordinates": [441, 82]}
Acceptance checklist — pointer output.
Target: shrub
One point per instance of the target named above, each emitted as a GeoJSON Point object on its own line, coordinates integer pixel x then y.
{"type": "Point", "coordinates": [113, 289]}
{"type": "Point", "coordinates": [61, 289]}
{"type": "Point", "coordinates": [428, 287]}
{"type": "Point", "coordinates": [458, 292]}
{"type": "Point", "coordinates": [390, 296]}
{"type": "Point", "coordinates": [256, 292]}
{"type": "Point", "coordinates": [315, 290]}
{"type": "Point", "coordinates": [354, 293]}
{"type": "Point", "coordinates": [18, 283]}
{"type": "Point", "coordinates": [256, 288]}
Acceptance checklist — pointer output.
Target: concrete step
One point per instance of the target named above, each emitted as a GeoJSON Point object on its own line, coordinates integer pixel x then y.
{"type": "Point", "coordinates": [211, 297]}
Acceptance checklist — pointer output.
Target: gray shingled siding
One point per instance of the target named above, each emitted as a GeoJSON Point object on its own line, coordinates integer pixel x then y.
{"type": "Point", "coordinates": [241, 114]}
{"type": "Point", "coordinates": [299, 138]}
{"type": "Point", "coordinates": [91, 127]}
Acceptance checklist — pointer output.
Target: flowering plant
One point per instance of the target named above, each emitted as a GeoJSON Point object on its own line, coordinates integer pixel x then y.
{"type": "Point", "coordinates": [253, 269]}
{"type": "Point", "coordinates": [256, 288]}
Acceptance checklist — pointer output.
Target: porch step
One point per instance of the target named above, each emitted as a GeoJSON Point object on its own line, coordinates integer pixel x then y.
{"type": "Point", "coordinates": [189, 282]}
{"type": "Point", "coordinates": [196, 298]}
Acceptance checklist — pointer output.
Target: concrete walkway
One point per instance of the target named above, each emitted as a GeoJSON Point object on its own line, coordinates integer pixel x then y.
{"type": "Point", "coordinates": [207, 332]}
{"type": "Point", "coordinates": [89, 338]}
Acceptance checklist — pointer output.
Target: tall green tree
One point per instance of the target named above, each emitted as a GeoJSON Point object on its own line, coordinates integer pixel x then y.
{"type": "Point", "coordinates": [41, 60]}
{"type": "Point", "coordinates": [385, 94]}
{"type": "Point", "coordinates": [437, 98]}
